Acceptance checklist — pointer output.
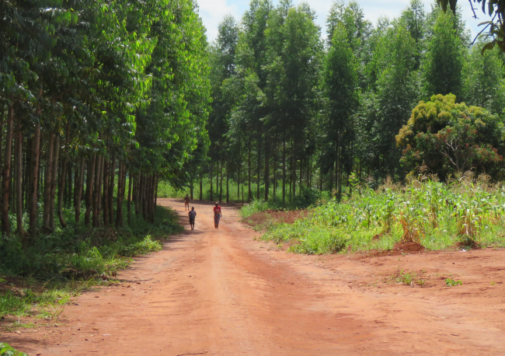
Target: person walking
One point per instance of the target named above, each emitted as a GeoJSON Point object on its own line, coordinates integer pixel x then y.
{"type": "Point", "coordinates": [217, 215]}
{"type": "Point", "coordinates": [186, 202]}
{"type": "Point", "coordinates": [192, 216]}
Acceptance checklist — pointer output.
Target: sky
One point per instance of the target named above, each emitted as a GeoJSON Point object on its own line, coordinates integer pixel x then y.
{"type": "Point", "coordinates": [213, 11]}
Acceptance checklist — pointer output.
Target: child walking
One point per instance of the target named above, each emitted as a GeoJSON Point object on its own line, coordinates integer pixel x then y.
{"type": "Point", "coordinates": [192, 216]}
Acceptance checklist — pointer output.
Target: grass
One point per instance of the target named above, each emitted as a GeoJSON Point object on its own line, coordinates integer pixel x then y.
{"type": "Point", "coordinates": [38, 281]}
{"type": "Point", "coordinates": [464, 212]}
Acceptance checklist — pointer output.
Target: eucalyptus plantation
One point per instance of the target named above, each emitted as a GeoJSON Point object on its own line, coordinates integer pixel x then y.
{"type": "Point", "coordinates": [96, 99]}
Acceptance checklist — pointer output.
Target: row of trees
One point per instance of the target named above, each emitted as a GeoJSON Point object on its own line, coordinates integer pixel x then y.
{"type": "Point", "coordinates": [98, 100]}
{"type": "Point", "coordinates": [291, 110]}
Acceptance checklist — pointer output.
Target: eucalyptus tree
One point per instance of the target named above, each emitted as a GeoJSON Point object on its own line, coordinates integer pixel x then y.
{"type": "Point", "coordinates": [340, 76]}
{"type": "Point", "coordinates": [483, 76]}
{"type": "Point", "coordinates": [223, 66]}
{"type": "Point", "coordinates": [444, 58]}
{"type": "Point", "coordinates": [294, 64]}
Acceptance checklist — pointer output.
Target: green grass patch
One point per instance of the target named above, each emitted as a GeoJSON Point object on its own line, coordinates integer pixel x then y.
{"type": "Point", "coordinates": [463, 213]}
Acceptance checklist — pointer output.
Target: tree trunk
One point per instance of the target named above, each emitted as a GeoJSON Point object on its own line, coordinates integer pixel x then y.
{"type": "Point", "coordinates": [249, 195]}
{"type": "Point", "coordinates": [266, 177]}
{"type": "Point", "coordinates": [90, 182]}
{"type": "Point", "coordinates": [54, 176]}
{"type": "Point", "coordinates": [191, 188]}
{"type": "Point", "coordinates": [61, 188]}
{"type": "Point", "coordinates": [211, 166]}
{"type": "Point", "coordinates": [105, 202]}
{"type": "Point", "coordinates": [221, 182]}
{"type": "Point", "coordinates": [110, 195]}
{"type": "Point", "coordinates": [78, 190]}
{"type": "Point", "coordinates": [130, 179]}
{"type": "Point", "coordinates": [201, 186]}
{"type": "Point", "coordinates": [120, 195]}
{"type": "Point", "coordinates": [96, 192]}
{"type": "Point", "coordinates": [47, 183]}
{"type": "Point", "coordinates": [227, 186]}
{"type": "Point", "coordinates": [19, 178]}
{"type": "Point", "coordinates": [284, 171]}
{"type": "Point", "coordinates": [34, 181]}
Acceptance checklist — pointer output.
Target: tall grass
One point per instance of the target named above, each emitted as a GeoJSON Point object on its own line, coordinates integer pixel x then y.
{"type": "Point", "coordinates": [434, 214]}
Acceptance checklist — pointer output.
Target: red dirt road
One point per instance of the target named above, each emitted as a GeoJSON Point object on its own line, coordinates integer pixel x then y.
{"type": "Point", "coordinates": [219, 292]}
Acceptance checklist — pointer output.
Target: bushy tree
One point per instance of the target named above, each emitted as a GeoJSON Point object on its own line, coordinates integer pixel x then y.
{"type": "Point", "coordinates": [448, 137]}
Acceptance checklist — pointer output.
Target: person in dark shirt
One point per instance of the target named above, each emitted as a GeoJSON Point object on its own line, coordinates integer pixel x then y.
{"type": "Point", "coordinates": [192, 216]}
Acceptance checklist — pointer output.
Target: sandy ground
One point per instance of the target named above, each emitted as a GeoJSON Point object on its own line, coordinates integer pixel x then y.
{"type": "Point", "coordinates": [220, 292]}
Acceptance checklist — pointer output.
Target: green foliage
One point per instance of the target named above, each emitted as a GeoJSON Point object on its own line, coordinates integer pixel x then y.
{"type": "Point", "coordinates": [85, 253]}
{"type": "Point", "coordinates": [443, 63]}
{"type": "Point", "coordinates": [6, 350]}
{"type": "Point", "coordinates": [435, 214]}
{"type": "Point", "coordinates": [452, 283]}
{"type": "Point", "coordinates": [448, 137]}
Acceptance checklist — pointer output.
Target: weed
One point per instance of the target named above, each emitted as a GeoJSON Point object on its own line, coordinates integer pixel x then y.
{"type": "Point", "coordinates": [452, 283]}
{"type": "Point", "coordinates": [6, 350]}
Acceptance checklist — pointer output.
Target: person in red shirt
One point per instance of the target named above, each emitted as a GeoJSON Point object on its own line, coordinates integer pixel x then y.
{"type": "Point", "coordinates": [217, 215]}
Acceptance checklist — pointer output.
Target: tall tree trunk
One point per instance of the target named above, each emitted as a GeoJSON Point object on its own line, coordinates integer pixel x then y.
{"type": "Point", "coordinates": [96, 192]}
{"type": "Point", "coordinates": [156, 183]}
{"type": "Point", "coordinates": [284, 171]}
{"type": "Point", "coordinates": [274, 168]}
{"type": "Point", "coordinates": [19, 178]}
{"type": "Point", "coordinates": [54, 176]}
{"type": "Point", "coordinates": [201, 186]}
{"type": "Point", "coordinates": [249, 178]}
{"type": "Point", "coordinates": [47, 183]}
{"type": "Point", "coordinates": [61, 188]}
{"type": "Point", "coordinates": [105, 202]}
{"type": "Point", "coordinates": [120, 195]}
{"type": "Point", "coordinates": [191, 188]}
{"type": "Point", "coordinates": [2, 114]}
{"type": "Point", "coordinates": [130, 179]}
{"type": "Point", "coordinates": [221, 182]}
{"type": "Point", "coordinates": [34, 180]}
{"type": "Point", "coordinates": [227, 185]}
{"type": "Point", "coordinates": [78, 190]}
{"type": "Point", "coordinates": [266, 178]}
{"type": "Point", "coordinates": [90, 182]}
{"type": "Point", "coordinates": [211, 195]}
{"type": "Point", "coordinates": [110, 194]}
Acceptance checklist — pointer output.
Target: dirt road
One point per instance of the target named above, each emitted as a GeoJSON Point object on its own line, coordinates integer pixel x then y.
{"type": "Point", "coordinates": [219, 292]}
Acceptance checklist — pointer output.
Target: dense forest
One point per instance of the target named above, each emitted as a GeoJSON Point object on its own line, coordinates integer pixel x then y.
{"type": "Point", "coordinates": [293, 111]}
{"type": "Point", "coordinates": [99, 101]}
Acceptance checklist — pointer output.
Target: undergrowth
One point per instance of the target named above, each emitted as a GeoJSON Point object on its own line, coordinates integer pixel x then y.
{"type": "Point", "coordinates": [463, 212]}
{"type": "Point", "coordinates": [39, 280]}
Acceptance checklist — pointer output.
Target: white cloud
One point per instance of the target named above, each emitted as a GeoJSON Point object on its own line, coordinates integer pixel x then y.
{"type": "Point", "coordinates": [212, 13]}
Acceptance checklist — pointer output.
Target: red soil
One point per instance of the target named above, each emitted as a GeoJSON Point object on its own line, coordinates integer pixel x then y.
{"type": "Point", "coordinates": [218, 292]}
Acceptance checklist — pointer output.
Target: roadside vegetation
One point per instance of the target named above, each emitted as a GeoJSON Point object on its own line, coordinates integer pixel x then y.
{"type": "Point", "coordinates": [464, 212]}
{"type": "Point", "coordinates": [40, 280]}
